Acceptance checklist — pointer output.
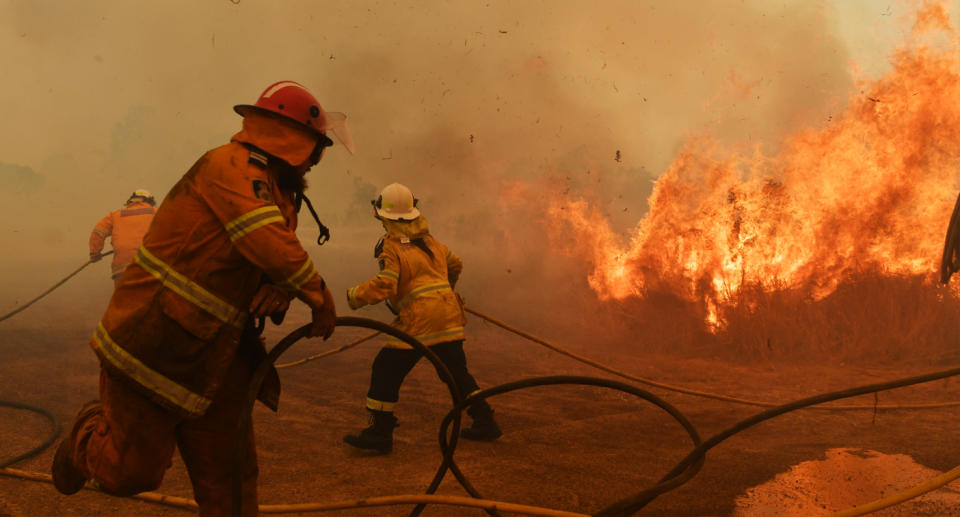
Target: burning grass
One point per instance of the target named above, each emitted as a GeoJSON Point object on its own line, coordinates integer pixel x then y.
{"type": "Point", "coordinates": [868, 318]}
{"type": "Point", "coordinates": [825, 249]}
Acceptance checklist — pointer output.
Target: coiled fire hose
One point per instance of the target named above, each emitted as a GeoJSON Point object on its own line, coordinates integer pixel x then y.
{"type": "Point", "coordinates": [453, 417]}
{"type": "Point", "coordinates": [56, 285]}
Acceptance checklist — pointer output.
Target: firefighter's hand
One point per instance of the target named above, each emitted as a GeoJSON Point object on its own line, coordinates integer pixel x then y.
{"type": "Point", "coordinates": [269, 299]}
{"type": "Point", "coordinates": [95, 257]}
{"type": "Point", "coordinates": [324, 317]}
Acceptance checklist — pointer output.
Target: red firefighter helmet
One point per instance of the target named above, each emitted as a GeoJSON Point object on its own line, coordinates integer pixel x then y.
{"type": "Point", "coordinates": [291, 100]}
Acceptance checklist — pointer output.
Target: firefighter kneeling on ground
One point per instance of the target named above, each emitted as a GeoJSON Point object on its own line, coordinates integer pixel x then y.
{"type": "Point", "coordinates": [416, 279]}
{"type": "Point", "coordinates": [177, 344]}
{"type": "Point", "coordinates": [125, 228]}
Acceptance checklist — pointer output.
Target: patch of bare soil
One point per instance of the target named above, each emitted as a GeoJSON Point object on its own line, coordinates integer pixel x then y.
{"type": "Point", "coordinates": [846, 477]}
{"type": "Point", "coordinates": [568, 447]}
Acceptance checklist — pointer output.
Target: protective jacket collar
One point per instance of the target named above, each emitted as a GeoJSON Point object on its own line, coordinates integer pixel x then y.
{"type": "Point", "coordinates": [406, 229]}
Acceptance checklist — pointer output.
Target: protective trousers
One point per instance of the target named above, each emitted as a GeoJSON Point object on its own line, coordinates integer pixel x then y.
{"type": "Point", "coordinates": [126, 443]}
{"type": "Point", "coordinates": [392, 365]}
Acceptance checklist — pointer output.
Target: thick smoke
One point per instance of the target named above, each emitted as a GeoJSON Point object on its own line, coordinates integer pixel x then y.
{"type": "Point", "coordinates": [459, 101]}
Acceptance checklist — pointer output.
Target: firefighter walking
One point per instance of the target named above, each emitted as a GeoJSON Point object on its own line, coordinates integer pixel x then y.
{"type": "Point", "coordinates": [177, 344]}
{"type": "Point", "coordinates": [125, 228]}
{"type": "Point", "coordinates": [416, 279]}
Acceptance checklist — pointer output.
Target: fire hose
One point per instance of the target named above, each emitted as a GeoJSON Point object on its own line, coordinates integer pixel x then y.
{"type": "Point", "coordinates": [453, 417]}
{"type": "Point", "coordinates": [680, 474]}
{"type": "Point", "coordinates": [679, 389]}
{"type": "Point", "coordinates": [684, 471]}
{"type": "Point", "coordinates": [56, 285]}
{"type": "Point", "coordinates": [54, 423]}
{"type": "Point", "coordinates": [54, 431]}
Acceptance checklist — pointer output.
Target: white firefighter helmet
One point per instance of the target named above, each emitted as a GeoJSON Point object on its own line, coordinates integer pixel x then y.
{"type": "Point", "coordinates": [142, 194]}
{"type": "Point", "coordinates": [396, 203]}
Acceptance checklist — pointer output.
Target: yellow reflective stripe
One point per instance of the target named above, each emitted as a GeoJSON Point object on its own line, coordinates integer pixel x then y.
{"type": "Point", "coordinates": [188, 289]}
{"type": "Point", "coordinates": [432, 338]}
{"type": "Point", "coordinates": [146, 376]}
{"type": "Point", "coordinates": [423, 289]}
{"type": "Point", "coordinates": [252, 220]}
{"type": "Point", "coordinates": [302, 276]}
{"type": "Point", "coordinates": [352, 292]}
{"type": "Point", "coordinates": [101, 232]}
{"type": "Point", "coordinates": [378, 405]}
{"type": "Point", "coordinates": [386, 273]}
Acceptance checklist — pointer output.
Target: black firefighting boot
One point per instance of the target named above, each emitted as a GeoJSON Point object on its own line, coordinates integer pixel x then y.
{"type": "Point", "coordinates": [484, 427]}
{"type": "Point", "coordinates": [377, 437]}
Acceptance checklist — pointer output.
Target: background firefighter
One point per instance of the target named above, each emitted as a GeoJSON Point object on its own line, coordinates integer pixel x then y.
{"type": "Point", "coordinates": [177, 345]}
{"type": "Point", "coordinates": [125, 228]}
{"type": "Point", "coordinates": [416, 279]}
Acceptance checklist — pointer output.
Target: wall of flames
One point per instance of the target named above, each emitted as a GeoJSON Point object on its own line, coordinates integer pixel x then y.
{"type": "Point", "coordinates": [869, 192]}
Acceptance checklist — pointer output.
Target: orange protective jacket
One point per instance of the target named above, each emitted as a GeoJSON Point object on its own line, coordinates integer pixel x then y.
{"type": "Point", "coordinates": [126, 228]}
{"type": "Point", "coordinates": [175, 320]}
{"type": "Point", "coordinates": [418, 288]}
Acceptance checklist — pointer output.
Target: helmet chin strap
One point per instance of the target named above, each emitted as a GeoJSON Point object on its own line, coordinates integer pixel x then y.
{"type": "Point", "coordinates": [324, 231]}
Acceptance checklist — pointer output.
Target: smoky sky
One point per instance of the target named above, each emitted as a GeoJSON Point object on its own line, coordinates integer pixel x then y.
{"type": "Point", "coordinates": [454, 99]}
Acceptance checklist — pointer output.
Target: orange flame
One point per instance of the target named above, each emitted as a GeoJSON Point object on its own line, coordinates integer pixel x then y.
{"type": "Point", "coordinates": [872, 192]}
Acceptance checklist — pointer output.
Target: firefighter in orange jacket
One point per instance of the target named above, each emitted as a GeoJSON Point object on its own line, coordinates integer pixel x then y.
{"type": "Point", "coordinates": [416, 279]}
{"type": "Point", "coordinates": [177, 345]}
{"type": "Point", "coordinates": [126, 228]}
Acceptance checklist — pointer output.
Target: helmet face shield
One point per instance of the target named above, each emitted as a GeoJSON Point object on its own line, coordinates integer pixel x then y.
{"type": "Point", "coordinates": [337, 123]}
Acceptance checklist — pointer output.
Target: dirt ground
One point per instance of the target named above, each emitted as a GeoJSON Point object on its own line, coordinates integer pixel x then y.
{"type": "Point", "coordinates": [568, 448]}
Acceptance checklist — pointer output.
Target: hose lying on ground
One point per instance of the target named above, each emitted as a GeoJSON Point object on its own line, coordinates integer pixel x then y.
{"type": "Point", "coordinates": [453, 416]}
{"type": "Point", "coordinates": [388, 500]}
{"type": "Point", "coordinates": [56, 285]}
{"type": "Point", "coordinates": [688, 391]}
{"type": "Point", "coordinates": [632, 504]}
{"type": "Point", "coordinates": [672, 482]}
{"type": "Point", "coordinates": [681, 473]}
{"type": "Point", "coordinates": [243, 424]}
{"type": "Point", "coordinates": [900, 497]}
{"type": "Point", "coordinates": [54, 431]}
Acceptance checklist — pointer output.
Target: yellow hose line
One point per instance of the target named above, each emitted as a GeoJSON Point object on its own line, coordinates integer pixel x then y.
{"type": "Point", "coordinates": [330, 352]}
{"type": "Point", "coordinates": [390, 500]}
{"type": "Point", "coordinates": [687, 391]}
{"type": "Point", "coordinates": [900, 497]}
{"type": "Point", "coordinates": [153, 497]}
